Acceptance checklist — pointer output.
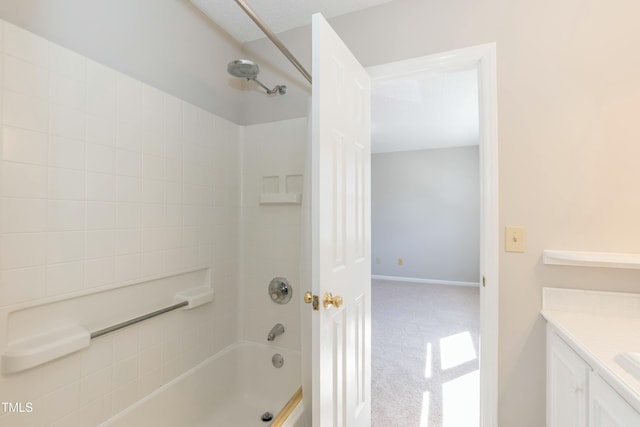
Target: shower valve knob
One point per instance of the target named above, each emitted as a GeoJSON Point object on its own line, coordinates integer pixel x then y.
{"type": "Point", "coordinates": [280, 290]}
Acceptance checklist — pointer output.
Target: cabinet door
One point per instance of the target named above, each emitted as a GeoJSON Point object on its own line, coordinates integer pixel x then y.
{"type": "Point", "coordinates": [607, 408]}
{"type": "Point", "coordinates": [567, 376]}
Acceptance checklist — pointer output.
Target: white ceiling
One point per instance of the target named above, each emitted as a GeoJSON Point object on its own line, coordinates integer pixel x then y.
{"type": "Point", "coordinates": [425, 111]}
{"type": "Point", "coordinates": [279, 15]}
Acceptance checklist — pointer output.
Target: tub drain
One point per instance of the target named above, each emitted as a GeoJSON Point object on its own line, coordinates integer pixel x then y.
{"type": "Point", "coordinates": [267, 416]}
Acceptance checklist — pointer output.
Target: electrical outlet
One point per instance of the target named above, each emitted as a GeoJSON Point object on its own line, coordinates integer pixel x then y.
{"type": "Point", "coordinates": [514, 238]}
{"type": "Point", "coordinates": [400, 261]}
{"type": "Point", "coordinates": [377, 260]}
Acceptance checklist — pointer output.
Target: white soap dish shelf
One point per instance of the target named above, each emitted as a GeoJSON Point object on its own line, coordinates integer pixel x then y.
{"type": "Point", "coordinates": [280, 198]}
{"type": "Point", "coordinates": [284, 189]}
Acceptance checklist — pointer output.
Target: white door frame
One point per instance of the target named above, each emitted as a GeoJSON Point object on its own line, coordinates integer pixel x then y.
{"type": "Point", "coordinates": [483, 58]}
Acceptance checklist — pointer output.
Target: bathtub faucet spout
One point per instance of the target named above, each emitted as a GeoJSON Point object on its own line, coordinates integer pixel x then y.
{"type": "Point", "coordinates": [278, 329]}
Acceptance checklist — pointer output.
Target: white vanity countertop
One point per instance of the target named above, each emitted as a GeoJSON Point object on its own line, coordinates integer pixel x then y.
{"type": "Point", "coordinates": [599, 326]}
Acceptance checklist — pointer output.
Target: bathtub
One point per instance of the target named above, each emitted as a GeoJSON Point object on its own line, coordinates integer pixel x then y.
{"type": "Point", "coordinates": [234, 387]}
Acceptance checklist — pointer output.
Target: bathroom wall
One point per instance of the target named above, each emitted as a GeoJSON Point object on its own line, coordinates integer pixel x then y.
{"type": "Point", "coordinates": [273, 160]}
{"type": "Point", "coordinates": [425, 209]}
{"type": "Point", "coordinates": [108, 182]}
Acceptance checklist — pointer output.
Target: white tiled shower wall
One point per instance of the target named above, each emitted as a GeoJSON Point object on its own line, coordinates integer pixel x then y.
{"type": "Point", "coordinates": [271, 233]}
{"type": "Point", "coordinates": [106, 180]}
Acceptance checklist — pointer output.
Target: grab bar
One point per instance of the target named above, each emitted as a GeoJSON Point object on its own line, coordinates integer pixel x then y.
{"type": "Point", "coordinates": [43, 348]}
{"type": "Point", "coordinates": [138, 319]}
{"type": "Point", "coordinates": [192, 298]}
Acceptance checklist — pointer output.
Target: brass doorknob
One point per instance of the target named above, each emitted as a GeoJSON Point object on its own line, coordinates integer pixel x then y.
{"type": "Point", "coordinates": [308, 297]}
{"type": "Point", "coordinates": [312, 299]}
{"type": "Point", "coordinates": [330, 300]}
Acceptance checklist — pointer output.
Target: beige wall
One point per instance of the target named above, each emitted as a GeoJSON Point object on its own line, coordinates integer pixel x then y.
{"type": "Point", "coordinates": [568, 99]}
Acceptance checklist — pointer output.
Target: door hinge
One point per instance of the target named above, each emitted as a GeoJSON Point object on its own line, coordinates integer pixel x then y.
{"type": "Point", "coordinates": [484, 282]}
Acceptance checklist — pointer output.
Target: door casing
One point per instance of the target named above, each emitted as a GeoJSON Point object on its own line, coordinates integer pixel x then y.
{"type": "Point", "coordinates": [482, 58]}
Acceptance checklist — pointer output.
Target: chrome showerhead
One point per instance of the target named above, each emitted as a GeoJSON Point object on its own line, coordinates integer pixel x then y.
{"type": "Point", "coordinates": [243, 68]}
{"type": "Point", "coordinates": [247, 69]}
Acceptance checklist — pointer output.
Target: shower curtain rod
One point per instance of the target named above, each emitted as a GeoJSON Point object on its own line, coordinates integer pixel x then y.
{"type": "Point", "coordinates": [267, 31]}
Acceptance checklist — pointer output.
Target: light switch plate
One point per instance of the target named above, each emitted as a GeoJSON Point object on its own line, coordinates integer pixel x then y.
{"type": "Point", "coordinates": [514, 238]}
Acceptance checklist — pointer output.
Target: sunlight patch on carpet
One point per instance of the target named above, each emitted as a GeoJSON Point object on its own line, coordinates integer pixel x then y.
{"type": "Point", "coordinates": [424, 415]}
{"type": "Point", "coordinates": [456, 350]}
{"type": "Point", "coordinates": [427, 363]}
{"type": "Point", "coordinates": [460, 401]}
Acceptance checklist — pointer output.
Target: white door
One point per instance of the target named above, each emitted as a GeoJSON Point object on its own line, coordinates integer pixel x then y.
{"type": "Point", "coordinates": [340, 233]}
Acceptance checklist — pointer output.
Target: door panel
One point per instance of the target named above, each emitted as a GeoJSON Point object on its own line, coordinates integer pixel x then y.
{"type": "Point", "coordinates": [341, 259]}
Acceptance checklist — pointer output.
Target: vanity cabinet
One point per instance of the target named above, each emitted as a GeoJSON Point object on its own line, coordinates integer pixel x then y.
{"type": "Point", "coordinates": [607, 408]}
{"type": "Point", "coordinates": [567, 379]}
{"type": "Point", "coordinates": [577, 396]}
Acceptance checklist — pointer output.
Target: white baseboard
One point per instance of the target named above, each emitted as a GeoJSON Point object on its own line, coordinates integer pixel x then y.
{"type": "Point", "coordinates": [427, 281]}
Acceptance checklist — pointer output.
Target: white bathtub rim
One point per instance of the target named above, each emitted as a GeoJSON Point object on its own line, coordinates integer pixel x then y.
{"type": "Point", "coordinates": [171, 383]}
{"type": "Point", "coordinates": [125, 412]}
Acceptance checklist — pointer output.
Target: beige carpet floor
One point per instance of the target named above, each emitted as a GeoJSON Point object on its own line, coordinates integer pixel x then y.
{"type": "Point", "coordinates": [424, 355]}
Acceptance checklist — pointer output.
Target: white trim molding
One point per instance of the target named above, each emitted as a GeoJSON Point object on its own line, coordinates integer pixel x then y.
{"type": "Point", "coordinates": [482, 58]}
{"type": "Point", "coordinates": [425, 281]}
